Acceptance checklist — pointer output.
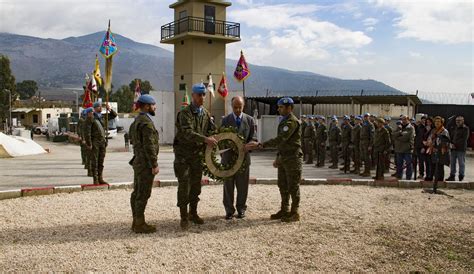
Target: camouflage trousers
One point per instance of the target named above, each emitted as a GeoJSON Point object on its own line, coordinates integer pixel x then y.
{"type": "Point", "coordinates": [365, 154]}
{"type": "Point", "coordinates": [346, 155]}
{"type": "Point", "coordinates": [142, 185]}
{"type": "Point", "coordinates": [308, 145]}
{"type": "Point", "coordinates": [84, 154]}
{"type": "Point", "coordinates": [97, 156]}
{"type": "Point", "coordinates": [334, 153]}
{"type": "Point", "coordinates": [356, 156]}
{"type": "Point", "coordinates": [289, 179]}
{"type": "Point", "coordinates": [189, 174]}
{"type": "Point", "coordinates": [321, 153]}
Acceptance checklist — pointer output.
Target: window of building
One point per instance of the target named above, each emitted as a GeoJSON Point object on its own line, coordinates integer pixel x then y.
{"type": "Point", "coordinates": [22, 116]}
{"type": "Point", "coordinates": [35, 118]}
{"type": "Point", "coordinates": [48, 116]}
{"type": "Point", "coordinates": [182, 87]}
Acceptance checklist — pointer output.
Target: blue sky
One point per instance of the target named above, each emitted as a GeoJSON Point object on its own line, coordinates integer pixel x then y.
{"type": "Point", "coordinates": [410, 45]}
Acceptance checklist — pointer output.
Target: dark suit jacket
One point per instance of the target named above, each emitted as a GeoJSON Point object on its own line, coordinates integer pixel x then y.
{"type": "Point", "coordinates": [247, 130]}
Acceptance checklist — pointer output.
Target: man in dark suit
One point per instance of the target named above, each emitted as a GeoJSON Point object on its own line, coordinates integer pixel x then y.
{"type": "Point", "coordinates": [245, 126]}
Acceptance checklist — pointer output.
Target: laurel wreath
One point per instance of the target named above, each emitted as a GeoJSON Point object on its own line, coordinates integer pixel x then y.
{"type": "Point", "coordinates": [227, 138]}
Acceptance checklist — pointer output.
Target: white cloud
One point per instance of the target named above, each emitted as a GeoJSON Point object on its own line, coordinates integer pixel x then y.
{"type": "Point", "coordinates": [370, 21]}
{"type": "Point", "coordinates": [369, 29]}
{"type": "Point", "coordinates": [414, 54]}
{"type": "Point", "coordinates": [291, 37]}
{"type": "Point", "coordinates": [446, 21]}
{"type": "Point", "coordinates": [139, 20]}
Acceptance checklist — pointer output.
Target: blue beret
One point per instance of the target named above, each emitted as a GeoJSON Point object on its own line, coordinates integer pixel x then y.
{"type": "Point", "coordinates": [146, 99]}
{"type": "Point", "coordinates": [88, 110]}
{"type": "Point", "coordinates": [358, 118]}
{"type": "Point", "coordinates": [388, 118]}
{"type": "Point", "coordinates": [285, 101]}
{"type": "Point", "coordinates": [199, 88]}
{"type": "Point", "coordinates": [347, 118]}
{"type": "Point", "coordinates": [366, 114]}
{"type": "Point", "coordinates": [334, 118]}
{"type": "Point", "coordinates": [303, 116]}
{"type": "Point", "coordinates": [399, 122]}
{"type": "Point", "coordinates": [97, 104]}
{"type": "Point", "coordinates": [322, 118]}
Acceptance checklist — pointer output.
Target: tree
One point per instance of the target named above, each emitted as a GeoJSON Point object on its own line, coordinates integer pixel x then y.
{"type": "Point", "coordinates": [124, 98]}
{"type": "Point", "coordinates": [145, 86]}
{"type": "Point", "coordinates": [26, 89]}
{"type": "Point", "coordinates": [7, 83]}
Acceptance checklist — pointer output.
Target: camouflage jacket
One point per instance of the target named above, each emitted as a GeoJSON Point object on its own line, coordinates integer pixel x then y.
{"type": "Point", "coordinates": [321, 134]}
{"type": "Point", "coordinates": [309, 132]}
{"type": "Point", "coordinates": [381, 140]}
{"type": "Point", "coordinates": [94, 131]}
{"type": "Point", "coordinates": [288, 140]}
{"type": "Point", "coordinates": [145, 141]}
{"type": "Point", "coordinates": [367, 133]}
{"type": "Point", "coordinates": [356, 135]}
{"type": "Point", "coordinates": [335, 134]}
{"type": "Point", "coordinates": [346, 134]}
{"type": "Point", "coordinates": [80, 128]}
{"type": "Point", "coordinates": [191, 130]}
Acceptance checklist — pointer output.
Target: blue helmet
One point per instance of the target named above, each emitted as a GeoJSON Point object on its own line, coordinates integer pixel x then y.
{"type": "Point", "coordinates": [285, 101]}
{"type": "Point", "coordinates": [146, 99]}
{"type": "Point", "coordinates": [97, 104]}
{"type": "Point", "coordinates": [199, 88]}
{"type": "Point", "coordinates": [347, 118]}
{"type": "Point", "coordinates": [88, 110]}
{"type": "Point", "coordinates": [359, 118]}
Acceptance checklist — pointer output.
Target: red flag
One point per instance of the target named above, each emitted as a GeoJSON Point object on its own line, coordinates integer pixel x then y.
{"type": "Point", "coordinates": [242, 71]}
{"type": "Point", "coordinates": [138, 92]}
{"type": "Point", "coordinates": [223, 91]}
{"type": "Point", "coordinates": [86, 101]}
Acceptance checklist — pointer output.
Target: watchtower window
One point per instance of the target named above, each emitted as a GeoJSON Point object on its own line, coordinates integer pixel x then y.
{"type": "Point", "coordinates": [209, 19]}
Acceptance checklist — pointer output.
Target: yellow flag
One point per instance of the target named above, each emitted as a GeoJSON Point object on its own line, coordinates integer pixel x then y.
{"type": "Point", "coordinates": [97, 76]}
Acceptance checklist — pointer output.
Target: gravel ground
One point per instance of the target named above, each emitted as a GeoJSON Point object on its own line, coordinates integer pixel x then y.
{"type": "Point", "coordinates": [342, 229]}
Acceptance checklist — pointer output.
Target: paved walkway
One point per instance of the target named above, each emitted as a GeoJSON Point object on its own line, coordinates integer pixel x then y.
{"type": "Point", "coordinates": [62, 166]}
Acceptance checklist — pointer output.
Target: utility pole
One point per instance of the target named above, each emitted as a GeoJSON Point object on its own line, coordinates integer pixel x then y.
{"type": "Point", "coordinates": [9, 131]}
{"type": "Point", "coordinates": [77, 101]}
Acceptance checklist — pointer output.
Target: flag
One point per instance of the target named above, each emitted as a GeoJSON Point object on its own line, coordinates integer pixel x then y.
{"type": "Point", "coordinates": [86, 100]}
{"type": "Point", "coordinates": [138, 92]}
{"type": "Point", "coordinates": [210, 86]}
{"type": "Point", "coordinates": [242, 70]}
{"type": "Point", "coordinates": [223, 86]}
{"type": "Point", "coordinates": [186, 100]}
{"type": "Point", "coordinates": [92, 85]}
{"type": "Point", "coordinates": [108, 47]}
{"type": "Point", "coordinates": [97, 76]}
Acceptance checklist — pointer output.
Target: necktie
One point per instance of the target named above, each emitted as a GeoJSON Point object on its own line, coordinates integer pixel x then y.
{"type": "Point", "coordinates": [238, 121]}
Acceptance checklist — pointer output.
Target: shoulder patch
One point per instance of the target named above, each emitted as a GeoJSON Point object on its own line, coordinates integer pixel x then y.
{"type": "Point", "coordinates": [286, 128]}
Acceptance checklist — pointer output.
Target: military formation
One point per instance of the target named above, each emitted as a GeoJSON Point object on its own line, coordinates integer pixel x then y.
{"type": "Point", "coordinates": [357, 144]}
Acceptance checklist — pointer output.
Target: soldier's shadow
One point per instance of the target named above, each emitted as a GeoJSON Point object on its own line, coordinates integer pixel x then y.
{"type": "Point", "coordinates": [90, 232]}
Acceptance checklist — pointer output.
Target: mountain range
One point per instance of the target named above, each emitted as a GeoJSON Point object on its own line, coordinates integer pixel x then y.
{"type": "Point", "coordinates": [55, 63]}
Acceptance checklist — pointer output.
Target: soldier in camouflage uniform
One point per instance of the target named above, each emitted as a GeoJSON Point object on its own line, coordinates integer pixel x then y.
{"type": "Point", "coordinates": [308, 137]}
{"type": "Point", "coordinates": [390, 131]}
{"type": "Point", "coordinates": [303, 119]}
{"type": "Point", "coordinates": [96, 141]}
{"type": "Point", "coordinates": [334, 142]}
{"type": "Point", "coordinates": [346, 141]}
{"type": "Point", "coordinates": [194, 126]}
{"type": "Point", "coordinates": [289, 161]}
{"type": "Point", "coordinates": [366, 141]}
{"type": "Point", "coordinates": [80, 125]}
{"type": "Point", "coordinates": [145, 141]}
{"type": "Point", "coordinates": [320, 140]}
{"type": "Point", "coordinates": [381, 147]}
{"type": "Point", "coordinates": [89, 115]}
{"type": "Point", "coordinates": [356, 143]}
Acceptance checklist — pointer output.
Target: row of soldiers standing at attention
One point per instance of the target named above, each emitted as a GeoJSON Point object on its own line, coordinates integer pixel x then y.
{"type": "Point", "coordinates": [91, 129]}
{"type": "Point", "coordinates": [195, 129]}
{"type": "Point", "coordinates": [364, 140]}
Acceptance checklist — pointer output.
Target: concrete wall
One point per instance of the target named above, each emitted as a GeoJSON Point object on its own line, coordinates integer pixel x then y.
{"type": "Point", "coordinates": [164, 119]}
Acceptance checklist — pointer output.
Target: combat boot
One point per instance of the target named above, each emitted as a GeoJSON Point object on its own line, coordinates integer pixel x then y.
{"type": "Point", "coordinates": [96, 180]}
{"type": "Point", "coordinates": [142, 227]}
{"type": "Point", "coordinates": [279, 215]}
{"type": "Point", "coordinates": [285, 200]}
{"type": "Point", "coordinates": [293, 216]}
{"type": "Point", "coordinates": [184, 223]}
{"type": "Point", "coordinates": [356, 170]}
{"type": "Point", "coordinates": [366, 172]}
{"type": "Point", "coordinates": [101, 178]}
{"type": "Point", "coordinates": [194, 217]}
